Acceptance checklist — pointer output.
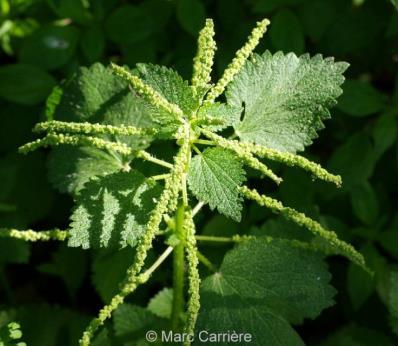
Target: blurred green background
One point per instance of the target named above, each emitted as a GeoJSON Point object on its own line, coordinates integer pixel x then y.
{"type": "Point", "coordinates": [44, 42]}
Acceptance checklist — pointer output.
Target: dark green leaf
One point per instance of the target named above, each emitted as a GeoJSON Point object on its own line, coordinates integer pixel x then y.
{"type": "Point", "coordinates": [133, 322]}
{"type": "Point", "coordinates": [70, 265]}
{"type": "Point", "coordinates": [70, 168]}
{"type": "Point", "coordinates": [365, 203]}
{"type": "Point", "coordinates": [360, 99]}
{"type": "Point", "coordinates": [50, 47]}
{"type": "Point", "coordinates": [113, 267]}
{"type": "Point", "coordinates": [191, 14]}
{"type": "Point", "coordinates": [261, 287]}
{"type": "Point", "coordinates": [354, 160]}
{"type": "Point", "coordinates": [92, 43]}
{"type": "Point", "coordinates": [128, 24]}
{"type": "Point", "coordinates": [24, 84]}
{"type": "Point", "coordinates": [286, 32]}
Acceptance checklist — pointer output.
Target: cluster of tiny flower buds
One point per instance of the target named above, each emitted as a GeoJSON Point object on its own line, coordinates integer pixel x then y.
{"type": "Point", "coordinates": [237, 63]}
{"type": "Point", "coordinates": [193, 273]}
{"type": "Point", "coordinates": [91, 129]}
{"type": "Point", "coordinates": [204, 58]}
{"type": "Point", "coordinates": [302, 220]}
{"type": "Point", "coordinates": [144, 90]}
{"type": "Point", "coordinates": [54, 139]}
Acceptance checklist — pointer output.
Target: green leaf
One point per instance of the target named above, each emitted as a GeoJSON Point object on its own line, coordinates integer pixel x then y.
{"type": "Point", "coordinates": [395, 3]}
{"type": "Point", "coordinates": [128, 24]}
{"type": "Point", "coordinates": [70, 168]}
{"type": "Point", "coordinates": [161, 304]}
{"type": "Point", "coordinates": [112, 211]}
{"type": "Point", "coordinates": [265, 6]}
{"type": "Point", "coordinates": [316, 16]}
{"type": "Point", "coordinates": [354, 160]}
{"type": "Point", "coordinates": [95, 94]}
{"type": "Point", "coordinates": [172, 87]}
{"type": "Point", "coordinates": [384, 133]}
{"type": "Point", "coordinates": [227, 114]}
{"type": "Point", "coordinates": [132, 322]}
{"type": "Point", "coordinates": [74, 9]}
{"type": "Point", "coordinates": [50, 325]}
{"type": "Point", "coordinates": [286, 32]}
{"type": "Point", "coordinates": [261, 287]}
{"type": "Point", "coordinates": [92, 43]}
{"type": "Point", "coordinates": [353, 335]}
{"type": "Point", "coordinates": [365, 203]}
{"type": "Point", "coordinates": [360, 99]}
{"type": "Point", "coordinates": [13, 251]}
{"type": "Point", "coordinates": [111, 265]}
{"type": "Point", "coordinates": [389, 241]}
{"type": "Point", "coordinates": [24, 84]}
{"type": "Point", "coordinates": [49, 47]}
{"type": "Point", "coordinates": [70, 265]}
{"type": "Point", "coordinates": [214, 178]}
{"type": "Point", "coordinates": [191, 14]}
{"type": "Point", "coordinates": [393, 294]}
{"type": "Point", "coordinates": [285, 98]}
{"type": "Point", "coordinates": [361, 285]}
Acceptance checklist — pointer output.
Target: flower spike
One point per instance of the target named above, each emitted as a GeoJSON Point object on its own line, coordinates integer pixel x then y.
{"type": "Point", "coordinates": [303, 220]}
{"type": "Point", "coordinates": [151, 95]}
{"type": "Point", "coordinates": [90, 129]}
{"type": "Point", "coordinates": [204, 59]}
{"type": "Point", "coordinates": [237, 63]}
{"type": "Point", "coordinates": [53, 140]}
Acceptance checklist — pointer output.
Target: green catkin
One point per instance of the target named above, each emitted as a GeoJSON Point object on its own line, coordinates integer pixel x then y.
{"type": "Point", "coordinates": [245, 155]}
{"type": "Point", "coordinates": [193, 274]}
{"type": "Point", "coordinates": [204, 59]}
{"type": "Point", "coordinates": [35, 236]}
{"type": "Point", "coordinates": [293, 160]}
{"type": "Point", "coordinates": [151, 95]}
{"type": "Point", "coordinates": [53, 140]}
{"type": "Point", "coordinates": [237, 63]}
{"type": "Point", "coordinates": [90, 129]}
{"type": "Point", "coordinates": [303, 220]}
{"type": "Point", "coordinates": [245, 149]}
{"type": "Point", "coordinates": [167, 204]}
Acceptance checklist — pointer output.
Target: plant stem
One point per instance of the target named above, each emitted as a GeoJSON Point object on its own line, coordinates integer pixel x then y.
{"type": "Point", "coordinates": [204, 142]}
{"type": "Point", "coordinates": [206, 262]}
{"type": "Point", "coordinates": [178, 271]}
{"type": "Point", "coordinates": [215, 239]}
{"type": "Point", "coordinates": [158, 262]}
{"type": "Point", "coordinates": [197, 208]}
{"type": "Point", "coordinates": [148, 157]}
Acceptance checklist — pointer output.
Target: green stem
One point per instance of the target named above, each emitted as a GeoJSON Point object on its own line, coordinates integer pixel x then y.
{"type": "Point", "coordinates": [206, 262]}
{"type": "Point", "coordinates": [178, 271]}
{"type": "Point", "coordinates": [234, 239]}
{"type": "Point", "coordinates": [215, 239]}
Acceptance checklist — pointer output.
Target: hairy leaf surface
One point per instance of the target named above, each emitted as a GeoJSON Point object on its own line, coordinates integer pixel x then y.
{"type": "Point", "coordinates": [214, 178]}
{"type": "Point", "coordinates": [132, 322]}
{"type": "Point", "coordinates": [70, 168]}
{"type": "Point", "coordinates": [112, 211]}
{"type": "Point", "coordinates": [285, 98]}
{"type": "Point", "coordinates": [95, 94]}
{"type": "Point", "coordinates": [262, 287]}
{"type": "Point", "coordinates": [161, 304]}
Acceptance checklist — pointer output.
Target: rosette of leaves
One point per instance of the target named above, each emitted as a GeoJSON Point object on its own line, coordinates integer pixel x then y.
{"type": "Point", "coordinates": [108, 119]}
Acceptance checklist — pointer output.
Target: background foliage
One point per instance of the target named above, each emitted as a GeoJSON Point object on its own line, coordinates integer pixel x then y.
{"type": "Point", "coordinates": [44, 42]}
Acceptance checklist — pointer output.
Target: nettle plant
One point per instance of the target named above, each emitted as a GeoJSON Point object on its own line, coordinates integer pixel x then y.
{"type": "Point", "coordinates": [107, 119]}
